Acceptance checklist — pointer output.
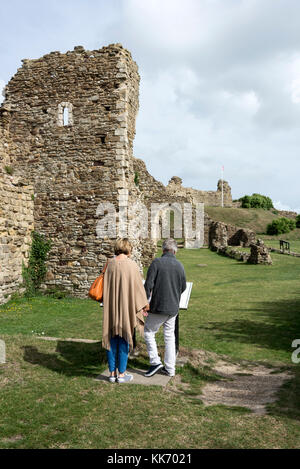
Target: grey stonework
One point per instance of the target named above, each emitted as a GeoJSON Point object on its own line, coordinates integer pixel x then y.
{"type": "Point", "coordinates": [16, 217]}
{"type": "Point", "coordinates": [259, 253]}
{"type": "Point", "coordinates": [63, 170]}
{"type": "Point", "coordinates": [242, 237]}
{"type": "Point", "coordinates": [211, 198]}
{"type": "Point", "coordinates": [71, 168]}
{"type": "Point", "coordinates": [222, 235]}
{"type": "Point", "coordinates": [218, 236]}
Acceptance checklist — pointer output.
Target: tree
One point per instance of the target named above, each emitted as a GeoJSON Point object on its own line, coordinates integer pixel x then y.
{"type": "Point", "coordinates": [280, 226]}
{"type": "Point", "coordinates": [256, 201]}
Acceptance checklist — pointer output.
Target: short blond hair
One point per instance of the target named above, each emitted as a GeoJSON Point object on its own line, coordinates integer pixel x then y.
{"type": "Point", "coordinates": [123, 246]}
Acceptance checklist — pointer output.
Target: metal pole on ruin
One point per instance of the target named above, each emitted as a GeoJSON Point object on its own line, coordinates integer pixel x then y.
{"type": "Point", "coordinates": [222, 179]}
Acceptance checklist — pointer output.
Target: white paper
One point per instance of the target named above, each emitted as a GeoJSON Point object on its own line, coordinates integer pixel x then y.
{"type": "Point", "coordinates": [185, 296]}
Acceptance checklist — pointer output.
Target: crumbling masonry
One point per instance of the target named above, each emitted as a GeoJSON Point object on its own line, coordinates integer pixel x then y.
{"type": "Point", "coordinates": [67, 126]}
{"type": "Point", "coordinates": [16, 219]}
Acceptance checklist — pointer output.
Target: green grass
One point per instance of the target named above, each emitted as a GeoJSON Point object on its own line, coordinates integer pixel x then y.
{"type": "Point", "coordinates": [274, 241]}
{"type": "Point", "coordinates": [245, 311]}
{"type": "Point", "coordinates": [41, 315]}
{"type": "Point", "coordinates": [49, 399]}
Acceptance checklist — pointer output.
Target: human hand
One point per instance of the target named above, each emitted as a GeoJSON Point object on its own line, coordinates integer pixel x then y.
{"type": "Point", "coordinates": [145, 309]}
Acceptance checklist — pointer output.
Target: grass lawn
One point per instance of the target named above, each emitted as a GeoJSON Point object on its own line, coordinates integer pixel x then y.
{"type": "Point", "coordinates": [252, 218]}
{"type": "Point", "coordinates": [49, 399]}
{"type": "Point", "coordinates": [273, 241]}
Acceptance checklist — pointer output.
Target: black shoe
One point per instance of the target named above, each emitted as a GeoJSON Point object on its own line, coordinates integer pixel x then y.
{"type": "Point", "coordinates": [163, 371]}
{"type": "Point", "coordinates": [152, 370]}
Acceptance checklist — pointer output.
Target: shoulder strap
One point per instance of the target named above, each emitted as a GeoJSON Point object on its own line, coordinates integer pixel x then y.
{"type": "Point", "coordinates": [105, 267]}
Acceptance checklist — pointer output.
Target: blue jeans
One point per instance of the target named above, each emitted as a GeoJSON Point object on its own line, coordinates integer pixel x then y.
{"type": "Point", "coordinates": [116, 343]}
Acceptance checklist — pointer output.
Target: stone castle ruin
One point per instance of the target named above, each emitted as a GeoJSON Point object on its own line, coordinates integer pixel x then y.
{"type": "Point", "coordinates": [212, 198]}
{"type": "Point", "coordinates": [67, 126]}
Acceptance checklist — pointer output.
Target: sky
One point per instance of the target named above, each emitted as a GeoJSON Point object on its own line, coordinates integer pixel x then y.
{"type": "Point", "coordinates": [220, 81]}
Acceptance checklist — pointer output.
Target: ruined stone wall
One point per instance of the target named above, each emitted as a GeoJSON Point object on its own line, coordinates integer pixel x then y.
{"type": "Point", "coordinates": [153, 191]}
{"type": "Point", "coordinates": [16, 219]}
{"type": "Point", "coordinates": [222, 235]}
{"type": "Point", "coordinates": [67, 128]}
{"type": "Point", "coordinates": [156, 191]}
{"type": "Point", "coordinates": [211, 198]}
{"type": "Point", "coordinates": [287, 214]}
{"type": "Point", "coordinates": [259, 253]}
{"type": "Point", "coordinates": [77, 166]}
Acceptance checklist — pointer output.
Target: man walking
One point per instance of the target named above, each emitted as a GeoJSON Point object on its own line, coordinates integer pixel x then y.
{"type": "Point", "coordinates": [165, 283]}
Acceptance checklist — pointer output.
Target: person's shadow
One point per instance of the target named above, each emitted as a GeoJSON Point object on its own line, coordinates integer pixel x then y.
{"type": "Point", "coordinates": [70, 358]}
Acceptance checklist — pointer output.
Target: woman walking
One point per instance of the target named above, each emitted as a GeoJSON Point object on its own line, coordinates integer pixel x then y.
{"type": "Point", "coordinates": [123, 298]}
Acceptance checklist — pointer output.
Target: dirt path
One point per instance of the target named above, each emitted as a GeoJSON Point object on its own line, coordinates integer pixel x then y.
{"type": "Point", "coordinates": [242, 384]}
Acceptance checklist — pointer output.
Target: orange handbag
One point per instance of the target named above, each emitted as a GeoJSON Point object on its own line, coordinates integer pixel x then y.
{"type": "Point", "coordinates": [96, 290]}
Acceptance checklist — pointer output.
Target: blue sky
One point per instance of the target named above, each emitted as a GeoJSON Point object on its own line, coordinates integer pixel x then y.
{"type": "Point", "coordinates": [220, 81]}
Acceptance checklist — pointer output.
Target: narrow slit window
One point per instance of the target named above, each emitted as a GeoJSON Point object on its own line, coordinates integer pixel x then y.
{"type": "Point", "coordinates": [66, 116]}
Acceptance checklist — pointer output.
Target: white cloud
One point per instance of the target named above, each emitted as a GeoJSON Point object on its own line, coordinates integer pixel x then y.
{"type": "Point", "coordinates": [295, 90]}
{"type": "Point", "coordinates": [250, 102]}
{"type": "Point", "coordinates": [294, 79]}
{"type": "Point", "coordinates": [171, 24]}
{"type": "Point", "coordinates": [246, 101]}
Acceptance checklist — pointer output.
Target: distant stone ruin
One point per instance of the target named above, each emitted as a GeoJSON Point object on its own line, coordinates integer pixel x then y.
{"type": "Point", "coordinates": [242, 237]}
{"type": "Point", "coordinates": [218, 238]}
{"type": "Point", "coordinates": [259, 253]}
{"type": "Point", "coordinates": [222, 235]}
{"type": "Point", "coordinates": [211, 198]}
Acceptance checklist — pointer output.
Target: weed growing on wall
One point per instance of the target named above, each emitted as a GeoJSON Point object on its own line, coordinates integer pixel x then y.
{"type": "Point", "coordinates": [34, 274]}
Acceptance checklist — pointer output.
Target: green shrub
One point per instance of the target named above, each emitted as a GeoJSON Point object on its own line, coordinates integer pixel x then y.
{"type": "Point", "coordinates": [34, 274]}
{"type": "Point", "coordinates": [256, 201]}
{"type": "Point", "coordinates": [136, 179]}
{"type": "Point", "coordinates": [280, 226]}
{"type": "Point", "coordinates": [246, 201]}
{"type": "Point", "coordinates": [292, 224]}
{"type": "Point", "coordinates": [298, 221]}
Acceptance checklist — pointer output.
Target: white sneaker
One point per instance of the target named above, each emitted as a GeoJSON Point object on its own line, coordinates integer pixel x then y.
{"type": "Point", "coordinates": [112, 379]}
{"type": "Point", "coordinates": [126, 378]}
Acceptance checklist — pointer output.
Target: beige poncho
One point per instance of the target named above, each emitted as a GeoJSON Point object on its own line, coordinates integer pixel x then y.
{"type": "Point", "coordinates": [123, 297]}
